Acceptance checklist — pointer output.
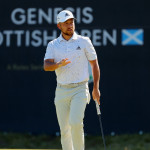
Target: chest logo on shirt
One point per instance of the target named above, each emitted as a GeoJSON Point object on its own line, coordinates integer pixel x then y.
{"type": "Point", "coordinates": [78, 48]}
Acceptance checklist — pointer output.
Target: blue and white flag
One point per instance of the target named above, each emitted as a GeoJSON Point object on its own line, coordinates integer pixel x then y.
{"type": "Point", "coordinates": [132, 37]}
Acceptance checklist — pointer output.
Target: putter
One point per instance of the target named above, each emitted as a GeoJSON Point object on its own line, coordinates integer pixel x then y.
{"type": "Point", "coordinates": [100, 121]}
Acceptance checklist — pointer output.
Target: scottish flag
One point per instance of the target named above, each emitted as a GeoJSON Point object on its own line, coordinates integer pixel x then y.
{"type": "Point", "coordinates": [132, 37]}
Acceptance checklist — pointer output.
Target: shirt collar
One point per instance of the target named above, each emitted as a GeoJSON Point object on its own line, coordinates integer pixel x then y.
{"type": "Point", "coordinates": [74, 37]}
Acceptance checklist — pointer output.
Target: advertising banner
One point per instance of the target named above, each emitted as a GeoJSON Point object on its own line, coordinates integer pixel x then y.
{"type": "Point", "coordinates": [120, 33]}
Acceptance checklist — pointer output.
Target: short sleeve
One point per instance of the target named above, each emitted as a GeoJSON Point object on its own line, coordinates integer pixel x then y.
{"type": "Point", "coordinates": [90, 50]}
{"type": "Point", "coordinates": [49, 52]}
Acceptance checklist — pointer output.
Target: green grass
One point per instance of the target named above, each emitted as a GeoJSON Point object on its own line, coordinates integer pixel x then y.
{"type": "Point", "coordinates": [117, 142]}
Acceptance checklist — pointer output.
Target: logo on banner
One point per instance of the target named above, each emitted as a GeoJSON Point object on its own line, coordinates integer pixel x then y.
{"type": "Point", "coordinates": [132, 37]}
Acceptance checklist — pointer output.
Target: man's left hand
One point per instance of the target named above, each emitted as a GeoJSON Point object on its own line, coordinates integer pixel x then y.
{"type": "Point", "coordinates": [96, 95]}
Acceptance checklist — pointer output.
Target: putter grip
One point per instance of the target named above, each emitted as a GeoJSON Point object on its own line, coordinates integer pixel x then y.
{"type": "Point", "coordinates": [97, 108]}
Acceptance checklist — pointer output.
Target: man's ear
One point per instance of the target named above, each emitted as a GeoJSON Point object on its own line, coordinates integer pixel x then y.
{"type": "Point", "coordinates": [58, 25]}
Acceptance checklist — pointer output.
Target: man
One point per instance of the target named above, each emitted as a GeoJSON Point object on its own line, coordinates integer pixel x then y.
{"type": "Point", "coordinates": [68, 56]}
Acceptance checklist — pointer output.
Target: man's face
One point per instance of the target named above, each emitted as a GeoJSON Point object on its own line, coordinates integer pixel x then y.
{"type": "Point", "coordinates": [67, 27]}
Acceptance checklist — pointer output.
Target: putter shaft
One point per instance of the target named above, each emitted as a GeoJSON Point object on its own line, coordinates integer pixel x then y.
{"type": "Point", "coordinates": [100, 121]}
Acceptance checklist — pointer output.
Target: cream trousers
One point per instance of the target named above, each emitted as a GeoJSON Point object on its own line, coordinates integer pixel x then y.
{"type": "Point", "coordinates": [70, 102]}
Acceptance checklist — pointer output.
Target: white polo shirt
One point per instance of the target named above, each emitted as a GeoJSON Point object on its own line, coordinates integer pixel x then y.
{"type": "Point", "coordinates": [78, 50]}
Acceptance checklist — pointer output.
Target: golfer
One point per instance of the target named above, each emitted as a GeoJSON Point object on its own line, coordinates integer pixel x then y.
{"type": "Point", "coordinates": [68, 55]}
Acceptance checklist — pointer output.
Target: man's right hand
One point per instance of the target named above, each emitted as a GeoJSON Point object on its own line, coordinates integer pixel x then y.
{"type": "Point", "coordinates": [64, 62]}
{"type": "Point", "coordinates": [50, 65]}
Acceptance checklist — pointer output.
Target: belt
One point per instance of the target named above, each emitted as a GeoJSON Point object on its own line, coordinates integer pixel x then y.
{"type": "Point", "coordinates": [71, 85]}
